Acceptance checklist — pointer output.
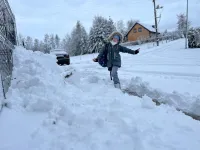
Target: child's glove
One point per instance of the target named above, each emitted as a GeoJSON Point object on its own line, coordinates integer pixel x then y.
{"type": "Point", "coordinates": [95, 60]}
{"type": "Point", "coordinates": [137, 51]}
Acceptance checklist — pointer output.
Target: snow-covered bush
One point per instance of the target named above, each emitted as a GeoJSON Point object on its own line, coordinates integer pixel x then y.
{"type": "Point", "coordinates": [194, 38]}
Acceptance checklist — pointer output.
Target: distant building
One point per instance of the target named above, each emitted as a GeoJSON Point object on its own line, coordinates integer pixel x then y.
{"type": "Point", "coordinates": [139, 31]}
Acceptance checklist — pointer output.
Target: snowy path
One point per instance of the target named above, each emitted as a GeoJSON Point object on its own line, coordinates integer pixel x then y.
{"type": "Point", "coordinates": [85, 112]}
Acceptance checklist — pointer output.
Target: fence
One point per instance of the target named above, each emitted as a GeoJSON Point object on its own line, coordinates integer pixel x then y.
{"type": "Point", "coordinates": [7, 42]}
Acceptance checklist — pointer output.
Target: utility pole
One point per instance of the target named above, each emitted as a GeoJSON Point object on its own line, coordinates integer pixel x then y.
{"type": "Point", "coordinates": [186, 37]}
{"type": "Point", "coordinates": [156, 23]}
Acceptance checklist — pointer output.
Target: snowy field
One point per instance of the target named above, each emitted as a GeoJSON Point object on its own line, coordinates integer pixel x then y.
{"type": "Point", "coordinates": [47, 111]}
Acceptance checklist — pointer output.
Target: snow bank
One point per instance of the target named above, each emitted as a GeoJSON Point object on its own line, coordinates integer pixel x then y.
{"type": "Point", "coordinates": [185, 102]}
{"type": "Point", "coordinates": [38, 81]}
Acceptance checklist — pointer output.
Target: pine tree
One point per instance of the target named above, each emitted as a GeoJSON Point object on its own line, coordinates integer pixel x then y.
{"type": "Point", "coordinates": [36, 45]}
{"type": "Point", "coordinates": [57, 41]}
{"type": "Point", "coordinates": [110, 26]}
{"type": "Point", "coordinates": [47, 46]}
{"type": "Point", "coordinates": [84, 41]}
{"type": "Point", "coordinates": [42, 46]}
{"type": "Point", "coordinates": [63, 43]}
{"type": "Point", "coordinates": [101, 29]}
{"type": "Point", "coordinates": [52, 42]}
{"type": "Point", "coordinates": [29, 43]}
{"type": "Point", "coordinates": [165, 32]}
{"type": "Point", "coordinates": [78, 40]}
{"type": "Point", "coordinates": [66, 43]}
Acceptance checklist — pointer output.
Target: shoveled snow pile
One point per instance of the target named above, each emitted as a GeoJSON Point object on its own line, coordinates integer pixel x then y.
{"type": "Point", "coordinates": [184, 102]}
{"type": "Point", "coordinates": [48, 111]}
{"type": "Point", "coordinates": [38, 81]}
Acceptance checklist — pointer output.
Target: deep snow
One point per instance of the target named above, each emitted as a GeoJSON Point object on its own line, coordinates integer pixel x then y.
{"type": "Point", "coordinates": [48, 111]}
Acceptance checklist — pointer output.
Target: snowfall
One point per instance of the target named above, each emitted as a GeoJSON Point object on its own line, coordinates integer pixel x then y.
{"type": "Point", "coordinates": [76, 107]}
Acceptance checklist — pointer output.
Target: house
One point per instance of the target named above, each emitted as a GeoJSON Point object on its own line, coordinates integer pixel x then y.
{"type": "Point", "coordinates": [140, 31]}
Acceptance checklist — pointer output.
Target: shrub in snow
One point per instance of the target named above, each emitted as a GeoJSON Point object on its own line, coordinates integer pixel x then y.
{"type": "Point", "coordinates": [194, 38]}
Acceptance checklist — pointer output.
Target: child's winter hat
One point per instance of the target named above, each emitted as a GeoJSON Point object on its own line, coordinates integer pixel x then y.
{"type": "Point", "coordinates": [116, 37]}
{"type": "Point", "coordinates": [110, 38]}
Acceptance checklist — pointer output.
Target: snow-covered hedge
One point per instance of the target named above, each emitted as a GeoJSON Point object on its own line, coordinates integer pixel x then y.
{"type": "Point", "coordinates": [194, 38]}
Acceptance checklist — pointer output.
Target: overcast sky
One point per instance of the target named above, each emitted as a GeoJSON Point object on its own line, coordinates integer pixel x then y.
{"type": "Point", "coordinates": [37, 17]}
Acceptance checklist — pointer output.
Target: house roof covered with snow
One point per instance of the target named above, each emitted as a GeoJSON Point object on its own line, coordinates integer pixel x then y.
{"type": "Point", "coordinates": [146, 26]}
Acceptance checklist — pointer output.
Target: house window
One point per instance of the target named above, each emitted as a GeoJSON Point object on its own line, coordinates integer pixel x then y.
{"type": "Point", "coordinates": [139, 29]}
{"type": "Point", "coordinates": [134, 30]}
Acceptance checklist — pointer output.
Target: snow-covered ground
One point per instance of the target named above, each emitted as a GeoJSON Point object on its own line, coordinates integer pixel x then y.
{"type": "Point", "coordinates": [48, 111]}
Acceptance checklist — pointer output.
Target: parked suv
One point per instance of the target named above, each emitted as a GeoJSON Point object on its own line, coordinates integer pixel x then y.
{"type": "Point", "coordinates": [63, 57]}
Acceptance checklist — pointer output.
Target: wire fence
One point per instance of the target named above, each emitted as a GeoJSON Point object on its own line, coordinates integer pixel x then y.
{"type": "Point", "coordinates": [7, 42]}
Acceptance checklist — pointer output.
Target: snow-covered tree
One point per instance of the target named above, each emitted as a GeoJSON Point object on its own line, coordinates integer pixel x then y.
{"type": "Point", "coordinates": [36, 45]}
{"type": "Point", "coordinates": [63, 43]}
{"type": "Point", "coordinates": [78, 40]}
{"type": "Point", "coordinates": [66, 43]}
{"type": "Point", "coordinates": [101, 29]}
{"type": "Point", "coordinates": [42, 46]}
{"type": "Point", "coordinates": [130, 24]}
{"type": "Point", "coordinates": [165, 32]}
{"type": "Point", "coordinates": [110, 26]}
{"type": "Point", "coordinates": [52, 41]}
{"type": "Point", "coordinates": [29, 43]}
{"type": "Point", "coordinates": [57, 41]}
{"type": "Point", "coordinates": [182, 24]}
{"type": "Point", "coordinates": [120, 27]}
{"type": "Point", "coordinates": [84, 41]}
{"type": "Point", "coordinates": [47, 46]}
{"type": "Point", "coordinates": [20, 39]}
